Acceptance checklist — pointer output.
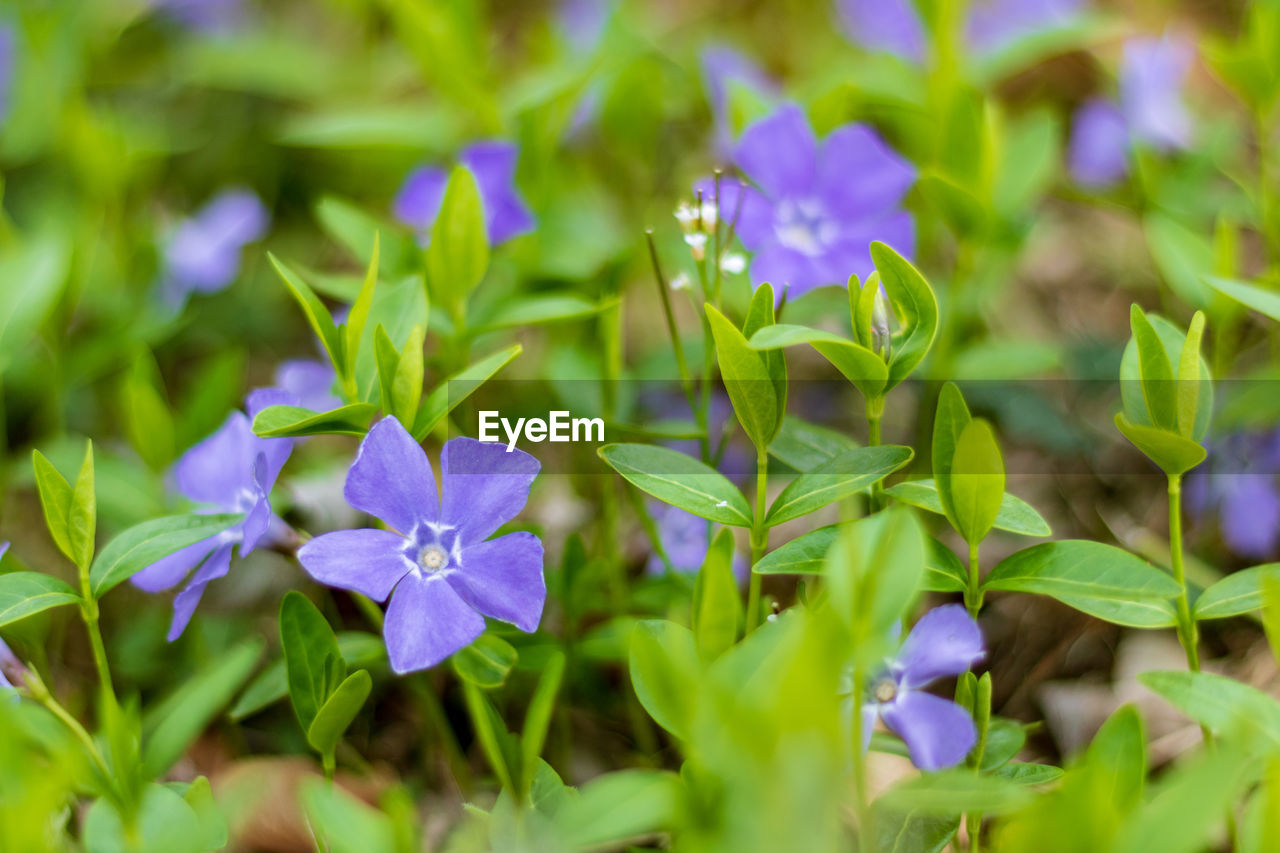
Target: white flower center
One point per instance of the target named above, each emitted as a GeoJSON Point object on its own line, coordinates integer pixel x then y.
{"type": "Point", "coordinates": [432, 558]}
{"type": "Point", "coordinates": [803, 226]}
{"type": "Point", "coordinates": [885, 691]}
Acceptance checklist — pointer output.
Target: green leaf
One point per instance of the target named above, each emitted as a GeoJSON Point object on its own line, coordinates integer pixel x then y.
{"type": "Point", "coordinates": [760, 316]}
{"type": "Point", "coordinates": [665, 669]}
{"type": "Point", "coordinates": [951, 419]}
{"type": "Point", "coordinates": [976, 482]}
{"type": "Point", "coordinates": [903, 831]}
{"type": "Point", "coordinates": [1015, 515]}
{"type": "Point", "coordinates": [804, 555]}
{"type": "Point", "coordinates": [82, 515]}
{"type": "Point", "coordinates": [344, 824]}
{"type": "Point", "coordinates": [1173, 454]}
{"type": "Point", "coordinates": [358, 649]}
{"type": "Point", "coordinates": [290, 421]}
{"type": "Point", "coordinates": [873, 574]}
{"type": "Point", "coordinates": [862, 367]}
{"type": "Point", "coordinates": [618, 806]}
{"type": "Point", "coordinates": [313, 662]}
{"type": "Point", "coordinates": [846, 474]}
{"type": "Point", "coordinates": [1183, 256]}
{"type": "Point", "coordinates": [916, 306]}
{"type": "Point", "coordinates": [747, 379]}
{"type": "Point", "coordinates": [1224, 705]}
{"type": "Point", "coordinates": [804, 446]}
{"type": "Point", "coordinates": [1117, 758]}
{"type": "Point", "coordinates": [1098, 579]}
{"type": "Point", "coordinates": [359, 314]}
{"type": "Point", "coordinates": [459, 250]}
{"type": "Point", "coordinates": [1133, 386]}
{"type": "Point", "coordinates": [954, 791]}
{"type": "Point", "coordinates": [213, 823]}
{"type": "Point", "coordinates": [537, 720]}
{"type": "Point", "coordinates": [145, 543]}
{"type": "Point", "coordinates": [1155, 372]}
{"type": "Point", "coordinates": [164, 823]}
{"type": "Point", "coordinates": [679, 480]}
{"type": "Point", "coordinates": [1236, 594]}
{"type": "Point", "coordinates": [388, 359]}
{"type": "Point", "coordinates": [1266, 302]}
{"type": "Point", "coordinates": [357, 232]}
{"type": "Point", "coordinates": [1188, 390]}
{"type": "Point", "coordinates": [1027, 773]}
{"type": "Point", "coordinates": [406, 385]}
{"type": "Point", "coordinates": [452, 391]}
{"type": "Point", "coordinates": [24, 594]}
{"type": "Point", "coordinates": [943, 571]}
{"type": "Point", "coordinates": [485, 662]}
{"type": "Point", "coordinates": [338, 711]}
{"type": "Point", "coordinates": [542, 308]}
{"type": "Point", "coordinates": [317, 314]}
{"type": "Point", "coordinates": [55, 500]}
{"type": "Point", "coordinates": [170, 726]}
{"type": "Point", "coordinates": [717, 606]}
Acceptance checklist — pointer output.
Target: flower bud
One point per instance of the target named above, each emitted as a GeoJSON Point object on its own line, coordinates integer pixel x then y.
{"type": "Point", "coordinates": [12, 672]}
{"type": "Point", "coordinates": [881, 334]}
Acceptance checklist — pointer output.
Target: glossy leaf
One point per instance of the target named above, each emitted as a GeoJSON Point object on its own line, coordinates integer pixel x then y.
{"type": "Point", "coordinates": [338, 712]}
{"type": "Point", "coordinates": [55, 501]}
{"type": "Point", "coordinates": [916, 306]}
{"type": "Point", "coordinates": [24, 594]}
{"type": "Point", "coordinates": [486, 662]}
{"type": "Point", "coordinates": [803, 555]}
{"type": "Point", "coordinates": [359, 314]}
{"type": "Point", "coordinates": [804, 446]}
{"type": "Point", "coordinates": [143, 544]}
{"type": "Point", "coordinates": [459, 251]}
{"type": "Point", "coordinates": [679, 480]}
{"type": "Point", "coordinates": [313, 662]}
{"type": "Point", "coordinates": [1172, 453]}
{"type": "Point", "coordinates": [1155, 372]}
{"type": "Point", "coordinates": [82, 514]}
{"type": "Point", "coordinates": [458, 387]}
{"type": "Point", "coordinates": [746, 377]}
{"type": "Point", "coordinates": [287, 421]}
{"type": "Point", "coordinates": [1236, 594]}
{"type": "Point", "coordinates": [862, 367]}
{"type": "Point", "coordinates": [846, 474]}
{"type": "Point", "coordinates": [951, 419]}
{"type": "Point", "coordinates": [976, 481]}
{"type": "Point", "coordinates": [664, 668]}
{"type": "Point", "coordinates": [314, 310]}
{"type": "Point", "coordinates": [1015, 514]}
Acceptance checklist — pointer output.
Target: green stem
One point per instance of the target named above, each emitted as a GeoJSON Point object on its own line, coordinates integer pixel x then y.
{"type": "Point", "coordinates": [686, 378]}
{"type": "Point", "coordinates": [973, 593]}
{"type": "Point", "coordinates": [759, 538]}
{"type": "Point", "coordinates": [89, 612]}
{"type": "Point", "coordinates": [875, 411]}
{"type": "Point", "coordinates": [36, 689]}
{"type": "Point", "coordinates": [1187, 633]}
{"type": "Point", "coordinates": [862, 805]}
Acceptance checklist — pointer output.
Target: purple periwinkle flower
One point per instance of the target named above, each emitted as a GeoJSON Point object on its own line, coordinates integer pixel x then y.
{"type": "Point", "coordinates": [203, 252]}
{"type": "Point", "coordinates": [815, 208]}
{"type": "Point", "coordinates": [205, 16]}
{"type": "Point", "coordinates": [10, 667]}
{"type": "Point", "coordinates": [685, 538]}
{"type": "Point", "coordinates": [231, 471]}
{"type": "Point", "coordinates": [723, 68]}
{"type": "Point", "coordinates": [582, 22]}
{"type": "Point", "coordinates": [1241, 480]}
{"type": "Point", "coordinates": [493, 164]}
{"type": "Point", "coordinates": [1098, 154]}
{"type": "Point", "coordinates": [938, 732]}
{"type": "Point", "coordinates": [8, 60]}
{"type": "Point", "coordinates": [437, 563]}
{"type": "Point", "coordinates": [894, 26]}
{"type": "Point", "coordinates": [310, 381]}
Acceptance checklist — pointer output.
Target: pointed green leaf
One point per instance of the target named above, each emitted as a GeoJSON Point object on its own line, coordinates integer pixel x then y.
{"type": "Point", "coordinates": [951, 419]}
{"type": "Point", "coordinates": [55, 500]}
{"type": "Point", "coordinates": [862, 367]}
{"type": "Point", "coordinates": [1237, 593]}
{"type": "Point", "coordinates": [916, 306]}
{"type": "Point", "coordinates": [406, 387]}
{"type": "Point", "coordinates": [317, 314]}
{"type": "Point", "coordinates": [759, 317]}
{"type": "Point", "coordinates": [1224, 705]}
{"type": "Point", "coordinates": [1188, 390]}
{"type": "Point", "coordinates": [388, 359]}
{"type": "Point", "coordinates": [804, 446]}
{"type": "Point", "coordinates": [804, 555]}
{"type": "Point", "coordinates": [846, 474]}
{"type": "Point", "coordinates": [717, 606]}
{"type": "Point", "coordinates": [746, 377]}
{"type": "Point", "coordinates": [665, 670]}
{"type": "Point", "coordinates": [485, 662]}
{"type": "Point", "coordinates": [1266, 302]}
{"type": "Point", "coordinates": [459, 251]}
{"type": "Point", "coordinates": [1174, 454]}
{"type": "Point", "coordinates": [679, 480]}
{"type": "Point", "coordinates": [313, 662]}
{"type": "Point", "coordinates": [82, 515]}
{"type": "Point", "coordinates": [338, 711]}
{"type": "Point", "coordinates": [1015, 515]}
{"type": "Point", "coordinates": [359, 314]}
{"type": "Point", "coordinates": [452, 391]}
{"type": "Point", "coordinates": [291, 421]}
{"type": "Point", "coordinates": [24, 594]}
{"type": "Point", "coordinates": [976, 483]}
{"type": "Point", "coordinates": [537, 720]}
{"type": "Point", "coordinates": [1155, 371]}
{"type": "Point", "coordinates": [143, 544]}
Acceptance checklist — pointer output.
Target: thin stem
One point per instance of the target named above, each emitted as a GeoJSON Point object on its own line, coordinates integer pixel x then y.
{"type": "Point", "coordinates": [715, 243]}
{"type": "Point", "coordinates": [36, 689]}
{"type": "Point", "coordinates": [759, 537]}
{"type": "Point", "coordinates": [973, 593]}
{"type": "Point", "coordinates": [875, 411]}
{"type": "Point", "coordinates": [89, 612]}
{"type": "Point", "coordinates": [862, 806]}
{"type": "Point", "coordinates": [686, 378]}
{"type": "Point", "coordinates": [1187, 633]}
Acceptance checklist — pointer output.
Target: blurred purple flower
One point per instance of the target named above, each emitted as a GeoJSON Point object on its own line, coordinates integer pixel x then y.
{"type": "Point", "coordinates": [493, 164]}
{"type": "Point", "coordinates": [8, 60]}
{"type": "Point", "coordinates": [436, 562]}
{"type": "Point", "coordinates": [310, 381]}
{"type": "Point", "coordinates": [815, 209]}
{"type": "Point", "coordinates": [1241, 480]}
{"type": "Point", "coordinates": [1151, 77]}
{"type": "Point", "coordinates": [1150, 112]}
{"type": "Point", "coordinates": [685, 538]}
{"type": "Point", "coordinates": [1098, 154]}
{"type": "Point", "coordinates": [207, 16]}
{"type": "Point", "coordinates": [938, 732]}
{"type": "Point", "coordinates": [230, 471]}
{"type": "Point", "coordinates": [894, 26]}
{"type": "Point", "coordinates": [582, 22]}
{"type": "Point", "coordinates": [203, 252]}
{"type": "Point", "coordinates": [10, 667]}
{"type": "Point", "coordinates": [724, 67]}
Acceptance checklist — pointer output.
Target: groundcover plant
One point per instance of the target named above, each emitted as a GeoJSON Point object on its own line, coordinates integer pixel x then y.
{"type": "Point", "coordinates": [611, 425]}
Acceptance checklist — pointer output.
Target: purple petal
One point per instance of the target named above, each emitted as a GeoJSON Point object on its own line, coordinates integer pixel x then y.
{"type": "Point", "coordinates": [1098, 154]}
{"type": "Point", "coordinates": [370, 562]}
{"type": "Point", "coordinates": [203, 253]}
{"type": "Point", "coordinates": [219, 468]}
{"type": "Point", "coordinates": [234, 217]}
{"type": "Point", "coordinates": [494, 165]}
{"type": "Point", "coordinates": [184, 604]}
{"type": "Point", "coordinates": [502, 578]}
{"type": "Point", "coordinates": [168, 572]}
{"type": "Point", "coordinates": [4, 546]}
{"type": "Point", "coordinates": [743, 207]}
{"type": "Point", "coordinates": [891, 26]}
{"type": "Point", "coordinates": [8, 61]}
{"type": "Point", "coordinates": [684, 539]}
{"type": "Point", "coordinates": [418, 201]}
{"type": "Point", "coordinates": [859, 175]}
{"type": "Point", "coordinates": [484, 486]}
{"type": "Point", "coordinates": [1151, 76]}
{"type": "Point", "coordinates": [779, 153]}
{"type": "Point", "coordinates": [938, 732]}
{"type": "Point", "coordinates": [1251, 515]}
{"type": "Point", "coordinates": [392, 478]}
{"type": "Point", "coordinates": [427, 622]}
{"type": "Point", "coordinates": [788, 270]}
{"type": "Point", "coordinates": [946, 641]}
{"type": "Point", "coordinates": [993, 24]}
{"type": "Point", "coordinates": [723, 66]}
{"type": "Point", "coordinates": [275, 450]}
{"type": "Point", "coordinates": [582, 22]}
{"type": "Point", "coordinates": [311, 382]}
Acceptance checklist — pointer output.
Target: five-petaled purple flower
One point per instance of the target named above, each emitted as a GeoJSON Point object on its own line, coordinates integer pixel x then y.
{"type": "Point", "coordinates": [203, 253]}
{"type": "Point", "coordinates": [493, 164]}
{"type": "Point", "coordinates": [436, 562]}
{"type": "Point", "coordinates": [1150, 112]}
{"type": "Point", "coordinates": [815, 208]}
{"type": "Point", "coordinates": [231, 471]}
{"type": "Point", "coordinates": [1242, 481]}
{"type": "Point", "coordinates": [938, 732]}
{"type": "Point", "coordinates": [894, 26]}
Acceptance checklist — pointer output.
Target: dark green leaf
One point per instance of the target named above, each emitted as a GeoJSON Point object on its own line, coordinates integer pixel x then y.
{"type": "Point", "coordinates": [55, 500]}
{"type": "Point", "coordinates": [679, 480]}
{"type": "Point", "coordinates": [804, 446]}
{"type": "Point", "coordinates": [803, 555]}
{"type": "Point", "coordinates": [747, 379]}
{"type": "Point", "coordinates": [287, 421]}
{"type": "Point", "coordinates": [1015, 515]}
{"type": "Point", "coordinates": [338, 711]}
{"type": "Point", "coordinates": [486, 662]}
{"type": "Point", "coordinates": [846, 474]}
{"type": "Point", "coordinates": [313, 662]}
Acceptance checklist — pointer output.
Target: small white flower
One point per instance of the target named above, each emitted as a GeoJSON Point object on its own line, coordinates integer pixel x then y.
{"type": "Point", "coordinates": [733, 263]}
{"type": "Point", "coordinates": [680, 282]}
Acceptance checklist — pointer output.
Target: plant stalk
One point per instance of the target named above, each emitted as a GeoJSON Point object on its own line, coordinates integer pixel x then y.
{"type": "Point", "coordinates": [759, 538]}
